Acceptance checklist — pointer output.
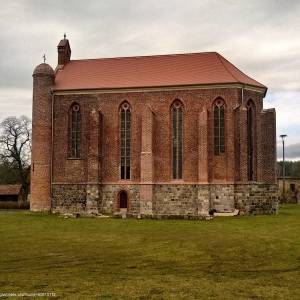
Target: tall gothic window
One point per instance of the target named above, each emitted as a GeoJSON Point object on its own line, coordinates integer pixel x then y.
{"type": "Point", "coordinates": [219, 127]}
{"type": "Point", "coordinates": [74, 131]}
{"type": "Point", "coordinates": [125, 126]}
{"type": "Point", "coordinates": [177, 139]}
{"type": "Point", "coordinates": [250, 139]}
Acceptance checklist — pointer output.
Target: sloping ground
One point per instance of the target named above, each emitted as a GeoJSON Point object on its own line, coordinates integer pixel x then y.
{"type": "Point", "coordinates": [225, 258]}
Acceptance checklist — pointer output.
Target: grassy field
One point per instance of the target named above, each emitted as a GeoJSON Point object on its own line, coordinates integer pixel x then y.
{"type": "Point", "coordinates": [254, 257]}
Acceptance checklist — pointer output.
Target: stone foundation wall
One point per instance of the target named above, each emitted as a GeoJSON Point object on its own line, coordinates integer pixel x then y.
{"type": "Point", "coordinates": [92, 198]}
{"type": "Point", "coordinates": [175, 200]}
{"type": "Point", "coordinates": [256, 199]}
{"type": "Point", "coordinates": [179, 200]}
{"type": "Point", "coordinates": [69, 198]}
{"type": "Point", "coordinates": [222, 197]}
{"type": "Point", "coordinates": [109, 200]}
{"type": "Point", "coordinates": [168, 200]}
{"type": "Point", "coordinates": [292, 190]}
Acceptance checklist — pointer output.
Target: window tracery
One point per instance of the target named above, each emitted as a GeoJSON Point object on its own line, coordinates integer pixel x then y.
{"type": "Point", "coordinates": [177, 139]}
{"type": "Point", "coordinates": [125, 136]}
{"type": "Point", "coordinates": [75, 131]}
{"type": "Point", "coordinates": [219, 127]}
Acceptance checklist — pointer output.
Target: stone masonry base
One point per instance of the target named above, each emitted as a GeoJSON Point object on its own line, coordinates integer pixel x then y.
{"type": "Point", "coordinates": [166, 200]}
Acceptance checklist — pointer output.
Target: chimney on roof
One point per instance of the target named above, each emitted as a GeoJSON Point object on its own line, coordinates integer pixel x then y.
{"type": "Point", "coordinates": [64, 51]}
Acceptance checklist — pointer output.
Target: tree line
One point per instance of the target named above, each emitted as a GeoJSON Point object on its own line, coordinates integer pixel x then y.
{"type": "Point", "coordinates": [292, 168]}
{"type": "Point", "coordinates": [15, 152]}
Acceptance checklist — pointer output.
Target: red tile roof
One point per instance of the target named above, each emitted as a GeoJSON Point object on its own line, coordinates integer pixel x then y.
{"type": "Point", "coordinates": [10, 189]}
{"type": "Point", "coordinates": [150, 71]}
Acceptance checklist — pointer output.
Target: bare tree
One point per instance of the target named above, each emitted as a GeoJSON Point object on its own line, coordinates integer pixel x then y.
{"type": "Point", "coordinates": [15, 147]}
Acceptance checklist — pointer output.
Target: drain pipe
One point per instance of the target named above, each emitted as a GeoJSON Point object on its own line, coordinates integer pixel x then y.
{"type": "Point", "coordinates": [243, 86]}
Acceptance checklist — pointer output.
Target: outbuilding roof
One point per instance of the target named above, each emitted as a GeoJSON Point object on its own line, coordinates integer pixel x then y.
{"type": "Point", "coordinates": [10, 189]}
{"type": "Point", "coordinates": [150, 71]}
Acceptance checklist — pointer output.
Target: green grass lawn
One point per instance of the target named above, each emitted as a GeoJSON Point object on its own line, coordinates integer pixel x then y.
{"type": "Point", "coordinates": [255, 257]}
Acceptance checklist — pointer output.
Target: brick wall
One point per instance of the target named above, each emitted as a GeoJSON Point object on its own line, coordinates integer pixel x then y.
{"type": "Point", "coordinates": [267, 153]}
{"type": "Point", "coordinates": [92, 182]}
{"type": "Point", "coordinates": [198, 157]}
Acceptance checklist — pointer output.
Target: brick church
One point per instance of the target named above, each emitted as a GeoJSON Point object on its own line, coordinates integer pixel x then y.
{"type": "Point", "coordinates": [162, 136]}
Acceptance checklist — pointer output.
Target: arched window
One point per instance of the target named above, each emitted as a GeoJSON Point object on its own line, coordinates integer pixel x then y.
{"type": "Point", "coordinates": [250, 139]}
{"type": "Point", "coordinates": [177, 139]}
{"type": "Point", "coordinates": [125, 128]}
{"type": "Point", "coordinates": [74, 131]}
{"type": "Point", "coordinates": [219, 127]}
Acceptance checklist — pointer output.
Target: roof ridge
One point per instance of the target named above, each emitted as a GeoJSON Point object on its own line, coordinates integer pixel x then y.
{"type": "Point", "coordinates": [151, 70]}
{"type": "Point", "coordinates": [223, 58]}
{"type": "Point", "coordinates": [225, 67]}
{"type": "Point", "coordinates": [142, 56]}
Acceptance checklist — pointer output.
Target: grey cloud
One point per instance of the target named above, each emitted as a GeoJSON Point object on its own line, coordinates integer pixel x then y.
{"type": "Point", "coordinates": [117, 28]}
{"type": "Point", "coordinates": [260, 37]}
{"type": "Point", "coordinates": [291, 151]}
{"type": "Point", "coordinates": [15, 102]}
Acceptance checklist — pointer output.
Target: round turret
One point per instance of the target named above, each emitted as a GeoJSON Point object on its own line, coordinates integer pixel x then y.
{"type": "Point", "coordinates": [43, 81]}
{"type": "Point", "coordinates": [43, 70]}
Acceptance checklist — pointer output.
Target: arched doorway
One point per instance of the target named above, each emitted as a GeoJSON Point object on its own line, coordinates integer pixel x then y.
{"type": "Point", "coordinates": [123, 200]}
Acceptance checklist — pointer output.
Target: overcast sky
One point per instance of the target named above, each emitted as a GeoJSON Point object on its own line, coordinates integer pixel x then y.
{"type": "Point", "coordinates": [261, 37]}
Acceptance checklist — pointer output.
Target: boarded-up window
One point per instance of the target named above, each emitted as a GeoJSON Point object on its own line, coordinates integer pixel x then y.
{"type": "Point", "coordinates": [177, 139]}
{"type": "Point", "coordinates": [219, 127]}
{"type": "Point", "coordinates": [125, 129]}
{"type": "Point", "coordinates": [74, 131]}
